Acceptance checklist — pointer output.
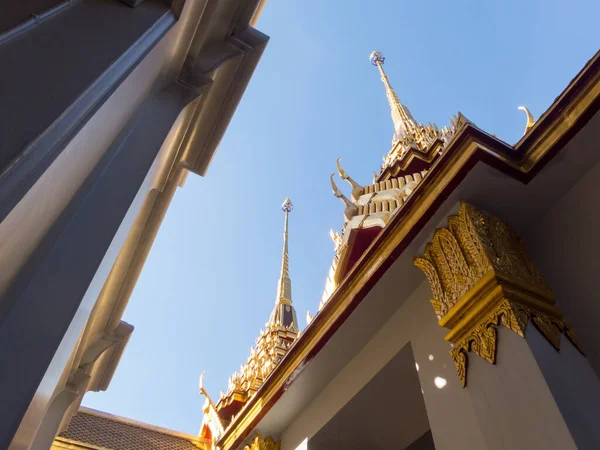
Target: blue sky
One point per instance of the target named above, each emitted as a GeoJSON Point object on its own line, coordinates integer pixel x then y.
{"type": "Point", "coordinates": [210, 280]}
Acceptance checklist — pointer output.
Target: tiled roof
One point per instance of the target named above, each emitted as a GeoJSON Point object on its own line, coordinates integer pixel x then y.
{"type": "Point", "coordinates": [116, 433]}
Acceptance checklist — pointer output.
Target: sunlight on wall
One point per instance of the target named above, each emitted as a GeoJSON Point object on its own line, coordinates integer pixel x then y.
{"type": "Point", "coordinates": [303, 445]}
{"type": "Point", "coordinates": [440, 382]}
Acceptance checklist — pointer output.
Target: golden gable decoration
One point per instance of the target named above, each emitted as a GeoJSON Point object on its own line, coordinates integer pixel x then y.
{"type": "Point", "coordinates": [481, 277]}
{"type": "Point", "coordinates": [263, 444]}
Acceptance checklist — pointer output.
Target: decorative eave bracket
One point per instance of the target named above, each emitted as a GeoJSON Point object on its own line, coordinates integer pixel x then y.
{"type": "Point", "coordinates": [481, 277]}
{"type": "Point", "coordinates": [258, 443]}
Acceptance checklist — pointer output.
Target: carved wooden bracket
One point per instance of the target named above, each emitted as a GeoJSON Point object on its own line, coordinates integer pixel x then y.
{"type": "Point", "coordinates": [481, 277]}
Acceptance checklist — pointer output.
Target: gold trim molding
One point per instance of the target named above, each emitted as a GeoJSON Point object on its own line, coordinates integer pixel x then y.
{"type": "Point", "coordinates": [263, 444]}
{"type": "Point", "coordinates": [481, 277]}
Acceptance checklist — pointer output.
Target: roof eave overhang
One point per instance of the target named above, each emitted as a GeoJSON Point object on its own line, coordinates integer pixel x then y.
{"type": "Point", "coordinates": [228, 82]}
{"type": "Point", "coordinates": [564, 119]}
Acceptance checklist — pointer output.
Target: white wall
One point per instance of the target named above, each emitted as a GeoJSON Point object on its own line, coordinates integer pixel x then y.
{"type": "Point", "coordinates": [26, 225]}
{"type": "Point", "coordinates": [449, 409]}
{"type": "Point", "coordinates": [565, 245]}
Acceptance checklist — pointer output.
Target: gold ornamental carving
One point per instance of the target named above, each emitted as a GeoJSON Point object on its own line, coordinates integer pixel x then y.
{"type": "Point", "coordinates": [481, 278]}
{"type": "Point", "coordinates": [263, 444]}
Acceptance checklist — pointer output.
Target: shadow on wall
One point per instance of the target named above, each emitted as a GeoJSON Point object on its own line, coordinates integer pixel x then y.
{"type": "Point", "coordinates": [387, 413]}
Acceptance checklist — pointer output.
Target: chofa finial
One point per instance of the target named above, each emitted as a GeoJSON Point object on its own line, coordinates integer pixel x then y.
{"type": "Point", "coordinates": [344, 176]}
{"type": "Point", "coordinates": [309, 318]}
{"type": "Point", "coordinates": [338, 193]}
{"type": "Point", "coordinates": [202, 390]}
{"type": "Point", "coordinates": [530, 119]}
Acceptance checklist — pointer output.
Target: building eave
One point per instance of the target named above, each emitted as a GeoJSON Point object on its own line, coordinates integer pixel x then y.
{"type": "Point", "coordinates": [216, 111]}
{"type": "Point", "coordinates": [563, 120]}
{"type": "Point", "coordinates": [104, 369]}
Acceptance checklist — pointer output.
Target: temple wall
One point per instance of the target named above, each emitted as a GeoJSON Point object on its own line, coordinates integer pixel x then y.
{"type": "Point", "coordinates": [54, 47]}
{"type": "Point", "coordinates": [563, 243]}
{"type": "Point", "coordinates": [78, 214]}
{"type": "Point", "coordinates": [449, 409]}
{"type": "Point", "coordinates": [571, 264]}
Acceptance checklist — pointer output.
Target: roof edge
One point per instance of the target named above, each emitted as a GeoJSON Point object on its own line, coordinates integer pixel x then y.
{"type": "Point", "coordinates": [570, 111]}
{"type": "Point", "coordinates": [136, 423]}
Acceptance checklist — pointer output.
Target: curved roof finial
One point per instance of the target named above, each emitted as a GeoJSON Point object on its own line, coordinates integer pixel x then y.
{"type": "Point", "coordinates": [202, 390]}
{"type": "Point", "coordinates": [338, 193]}
{"type": "Point", "coordinates": [530, 119]}
{"type": "Point", "coordinates": [344, 176]}
{"type": "Point", "coordinates": [309, 318]}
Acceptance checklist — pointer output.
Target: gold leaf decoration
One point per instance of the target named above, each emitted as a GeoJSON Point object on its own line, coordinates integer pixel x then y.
{"type": "Point", "coordinates": [438, 302]}
{"type": "Point", "coordinates": [258, 443]}
{"type": "Point", "coordinates": [481, 278]}
{"type": "Point", "coordinates": [459, 356]}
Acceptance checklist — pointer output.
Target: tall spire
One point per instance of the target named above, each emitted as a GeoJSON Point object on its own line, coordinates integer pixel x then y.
{"type": "Point", "coordinates": [284, 313]}
{"type": "Point", "coordinates": [284, 291]}
{"type": "Point", "coordinates": [408, 133]}
{"type": "Point", "coordinates": [404, 124]}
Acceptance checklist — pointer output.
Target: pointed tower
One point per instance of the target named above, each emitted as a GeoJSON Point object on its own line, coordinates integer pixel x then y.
{"type": "Point", "coordinates": [415, 148]}
{"type": "Point", "coordinates": [425, 141]}
{"type": "Point", "coordinates": [284, 313]}
{"type": "Point", "coordinates": [404, 124]}
{"type": "Point", "coordinates": [271, 346]}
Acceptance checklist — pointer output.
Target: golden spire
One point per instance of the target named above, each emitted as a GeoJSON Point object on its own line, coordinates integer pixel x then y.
{"type": "Point", "coordinates": [284, 314]}
{"type": "Point", "coordinates": [404, 124]}
{"type": "Point", "coordinates": [284, 291]}
{"type": "Point", "coordinates": [408, 133]}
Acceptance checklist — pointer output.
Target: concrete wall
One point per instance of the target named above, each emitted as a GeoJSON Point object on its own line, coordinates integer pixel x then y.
{"type": "Point", "coordinates": [58, 73]}
{"type": "Point", "coordinates": [565, 245]}
{"type": "Point", "coordinates": [99, 154]}
{"type": "Point", "coordinates": [531, 387]}
{"type": "Point", "coordinates": [56, 47]}
{"type": "Point", "coordinates": [425, 442]}
{"type": "Point", "coordinates": [449, 409]}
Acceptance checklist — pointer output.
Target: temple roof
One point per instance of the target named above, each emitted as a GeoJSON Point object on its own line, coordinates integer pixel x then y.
{"type": "Point", "coordinates": [98, 430]}
{"type": "Point", "coordinates": [470, 150]}
{"type": "Point", "coordinates": [408, 133]}
{"type": "Point", "coordinates": [415, 148]}
{"type": "Point", "coordinates": [272, 344]}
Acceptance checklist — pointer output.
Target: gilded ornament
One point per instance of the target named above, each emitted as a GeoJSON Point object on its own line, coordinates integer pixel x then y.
{"type": "Point", "coordinates": [408, 133]}
{"type": "Point", "coordinates": [481, 278]}
{"type": "Point", "coordinates": [258, 443]}
{"type": "Point", "coordinates": [273, 342]}
{"type": "Point", "coordinates": [530, 119]}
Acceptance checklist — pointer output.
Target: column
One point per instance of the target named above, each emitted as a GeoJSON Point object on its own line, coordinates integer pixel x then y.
{"type": "Point", "coordinates": [529, 383]}
{"type": "Point", "coordinates": [75, 258]}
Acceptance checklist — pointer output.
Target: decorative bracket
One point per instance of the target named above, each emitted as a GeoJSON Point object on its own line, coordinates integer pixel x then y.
{"type": "Point", "coordinates": [481, 277]}
{"type": "Point", "coordinates": [263, 444]}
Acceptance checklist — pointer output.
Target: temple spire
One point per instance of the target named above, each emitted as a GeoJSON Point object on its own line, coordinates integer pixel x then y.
{"type": "Point", "coordinates": [284, 313]}
{"type": "Point", "coordinates": [404, 124]}
{"type": "Point", "coordinates": [284, 291]}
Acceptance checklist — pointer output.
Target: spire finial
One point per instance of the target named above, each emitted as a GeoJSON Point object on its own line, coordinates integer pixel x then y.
{"type": "Point", "coordinates": [404, 124]}
{"type": "Point", "coordinates": [284, 292]}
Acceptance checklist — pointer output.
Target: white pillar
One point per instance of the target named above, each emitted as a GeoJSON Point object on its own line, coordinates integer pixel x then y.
{"type": "Point", "coordinates": [451, 415]}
